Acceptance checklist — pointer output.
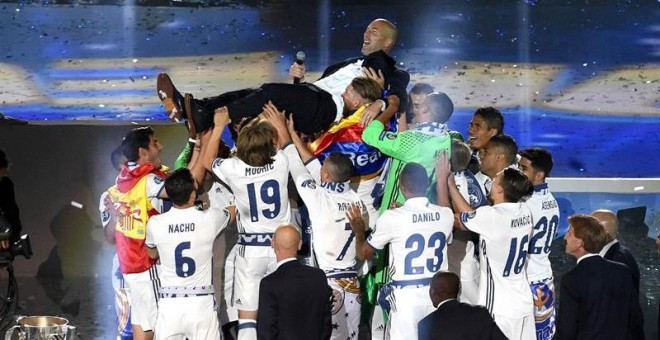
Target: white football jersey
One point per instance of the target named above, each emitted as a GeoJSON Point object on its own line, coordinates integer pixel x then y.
{"type": "Point", "coordinates": [327, 204]}
{"type": "Point", "coordinates": [505, 231]}
{"type": "Point", "coordinates": [418, 233]}
{"type": "Point", "coordinates": [220, 196]}
{"type": "Point", "coordinates": [336, 83]}
{"type": "Point", "coordinates": [184, 238]}
{"type": "Point", "coordinates": [261, 196]}
{"type": "Point", "coordinates": [545, 218]}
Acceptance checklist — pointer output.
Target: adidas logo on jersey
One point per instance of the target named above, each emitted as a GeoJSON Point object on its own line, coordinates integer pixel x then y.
{"type": "Point", "coordinates": [380, 328]}
{"type": "Point", "coordinates": [238, 302]}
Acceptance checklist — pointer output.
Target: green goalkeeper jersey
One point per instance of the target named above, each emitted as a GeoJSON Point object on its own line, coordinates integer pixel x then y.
{"type": "Point", "coordinates": [420, 145]}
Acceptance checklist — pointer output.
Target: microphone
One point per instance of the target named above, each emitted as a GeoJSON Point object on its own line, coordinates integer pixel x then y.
{"type": "Point", "coordinates": [300, 59]}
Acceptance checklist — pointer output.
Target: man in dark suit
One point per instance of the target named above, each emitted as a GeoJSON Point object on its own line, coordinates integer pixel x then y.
{"type": "Point", "coordinates": [615, 251]}
{"type": "Point", "coordinates": [453, 319]}
{"type": "Point", "coordinates": [295, 300]}
{"type": "Point", "coordinates": [597, 297]}
{"type": "Point", "coordinates": [378, 40]}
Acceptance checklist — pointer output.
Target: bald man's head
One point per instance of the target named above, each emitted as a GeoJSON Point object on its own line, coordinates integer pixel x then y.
{"type": "Point", "coordinates": [286, 242]}
{"type": "Point", "coordinates": [608, 220]}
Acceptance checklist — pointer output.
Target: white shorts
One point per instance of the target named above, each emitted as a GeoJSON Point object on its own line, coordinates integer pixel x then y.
{"type": "Point", "coordinates": [345, 308]}
{"type": "Point", "coordinates": [228, 288]}
{"type": "Point", "coordinates": [409, 306]}
{"type": "Point", "coordinates": [189, 317]}
{"type": "Point", "coordinates": [122, 305]}
{"type": "Point", "coordinates": [248, 274]}
{"type": "Point", "coordinates": [517, 328]}
{"type": "Point", "coordinates": [143, 290]}
{"type": "Point", "coordinates": [470, 274]}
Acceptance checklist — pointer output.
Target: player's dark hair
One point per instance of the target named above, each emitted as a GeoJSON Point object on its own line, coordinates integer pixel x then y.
{"type": "Point", "coordinates": [417, 89]}
{"type": "Point", "coordinates": [590, 231]}
{"type": "Point", "coordinates": [413, 177]}
{"type": "Point", "coordinates": [421, 88]}
{"type": "Point", "coordinates": [179, 185]}
{"type": "Point", "coordinates": [440, 106]}
{"type": "Point", "coordinates": [541, 159]}
{"type": "Point", "coordinates": [255, 145]}
{"type": "Point", "coordinates": [460, 155]}
{"type": "Point", "coordinates": [493, 118]}
{"type": "Point", "coordinates": [516, 185]}
{"type": "Point", "coordinates": [506, 145]}
{"type": "Point", "coordinates": [340, 167]}
{"type": "Point", "coordinates": [367, 88]}
{"type": "Point", "coordinates": [134, 140]}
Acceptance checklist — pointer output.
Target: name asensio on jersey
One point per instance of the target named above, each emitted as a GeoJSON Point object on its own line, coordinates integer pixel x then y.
{"type": "Point", "coordinates": [546, 205]}
{"type": "Point", "coordinates": [426, 217]}
{"type": "Point", "coordinates": [181, 228]}
{"type": "Point", "coordinates": [259, 170]}
{"type": "Point", "coordinates": [521, 221]}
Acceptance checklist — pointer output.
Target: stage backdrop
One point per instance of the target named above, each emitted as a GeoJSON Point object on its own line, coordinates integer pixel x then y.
{"type": "Point", "coordinates": [55, 170]}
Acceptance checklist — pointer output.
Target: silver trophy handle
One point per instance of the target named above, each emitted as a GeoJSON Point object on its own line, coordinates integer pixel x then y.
{"type": "Point", "coordinates": [10, 332]}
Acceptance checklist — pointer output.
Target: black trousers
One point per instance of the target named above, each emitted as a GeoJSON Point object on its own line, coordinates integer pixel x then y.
{"type": "Point", "coordinates": [312, 108]}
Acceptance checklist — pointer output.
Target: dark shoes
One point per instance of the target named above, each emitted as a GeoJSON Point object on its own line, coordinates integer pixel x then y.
{"type": "Point", "coordinates": [171, 98]}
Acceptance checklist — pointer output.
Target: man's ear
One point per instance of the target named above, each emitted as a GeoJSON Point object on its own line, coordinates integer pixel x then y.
{"type": "Point", "coordinates": [539, 176]}
{"type": "Point", "coordinates": [299, 244]}
{"type": "Point", "coordinates": [492, 132]}
{"type": "Point", "coordinates": [142, 152]}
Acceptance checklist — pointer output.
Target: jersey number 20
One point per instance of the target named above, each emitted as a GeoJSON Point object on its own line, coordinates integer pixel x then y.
{"type": "Point", "coordinates": [418, 243]}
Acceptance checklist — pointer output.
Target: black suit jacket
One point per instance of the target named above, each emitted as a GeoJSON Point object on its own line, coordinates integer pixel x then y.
{"type": "Point", "coordinates": [396, 80]}
{"type": "Point", "coordinates": [294, 304]}
{"type": "Point", "coordinates": [620, 254]}
{"type": "Point", "coordinates": [596, 301]}
{"type": "Point", "coordinates": [459, 321]}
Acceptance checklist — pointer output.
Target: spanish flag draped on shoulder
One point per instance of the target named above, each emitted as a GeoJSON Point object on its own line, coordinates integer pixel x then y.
{"type": "Point", "coordinates": [134, 210]}
{"type": "Point", "coordinates": [346, 137]}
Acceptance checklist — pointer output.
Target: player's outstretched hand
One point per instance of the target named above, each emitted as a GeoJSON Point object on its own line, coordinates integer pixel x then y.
{"type": "Point", "coordinates": [274, 116]}
{"type": "Point", "coordinates": [375, 75]}
{"type": "Point", "coordinates": [442, 166]}
{"type": "Point", "coordinates": [221, 116]}
{"type": "Point", "coordinates": [354, 216]}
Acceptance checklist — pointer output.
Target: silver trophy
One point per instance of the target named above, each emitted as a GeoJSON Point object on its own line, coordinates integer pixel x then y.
{"type": "Point", "coordinates": [41, 328]}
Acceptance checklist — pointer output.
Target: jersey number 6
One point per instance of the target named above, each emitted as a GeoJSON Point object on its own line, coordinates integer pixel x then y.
{"type": "Point", "coordinates": [185, 266]}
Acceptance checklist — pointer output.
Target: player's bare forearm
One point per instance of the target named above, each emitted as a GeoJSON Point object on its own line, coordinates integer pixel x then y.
{"type": "Point", "coordinates": [457, 200]}
{"type": "Point", "coordinates": [195, 165]}
{"type": "Point", "coordinates": [442, 173]}
{"type": "Point", "coordinates": [457, 222]}
{"type": "Point", "coordinates": [363, 249]}
{"type": "Point", "coordinates": [392, 108]}
{"type": "Point", "coordinates": [210, 152]}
